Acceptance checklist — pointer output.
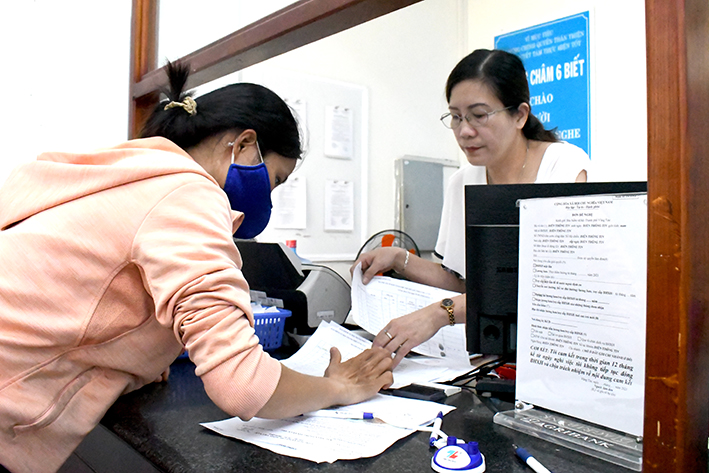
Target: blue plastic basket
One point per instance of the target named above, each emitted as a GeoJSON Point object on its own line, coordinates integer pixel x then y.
{"type": "Point", "coordinates": [269, 328]}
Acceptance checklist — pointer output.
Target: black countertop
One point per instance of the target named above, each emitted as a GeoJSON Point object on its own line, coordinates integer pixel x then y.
{"type": "Point", "coordinates": [161, 422]}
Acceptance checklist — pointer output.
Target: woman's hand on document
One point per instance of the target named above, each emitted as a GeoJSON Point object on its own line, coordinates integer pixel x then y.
{"type": "Point", "coordinates": [402, 334]}
{"type": "Point", "coordinates": [348, 382]}
{"type": "Point", "coordinates": [362, 376]}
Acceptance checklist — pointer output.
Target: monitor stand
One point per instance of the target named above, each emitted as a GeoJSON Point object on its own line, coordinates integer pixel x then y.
{"type": "Point", "coordinates": [591, 439]}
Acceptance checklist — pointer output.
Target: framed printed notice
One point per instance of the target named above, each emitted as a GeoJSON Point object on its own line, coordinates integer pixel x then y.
{"type": "Point", "coordinates": [582, 307]}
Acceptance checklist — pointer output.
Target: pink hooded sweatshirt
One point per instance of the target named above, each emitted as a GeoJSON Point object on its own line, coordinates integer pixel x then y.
{"type": "Point", "coordinates": [112, 263]}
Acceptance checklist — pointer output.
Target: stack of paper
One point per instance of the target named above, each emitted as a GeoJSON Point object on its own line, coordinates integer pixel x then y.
{"type": "Point", "coordinates": [383, 299]}
{"type": "Point", "coordinates": [327, 439]}
{"type": "Point", "coordinates": [314, 357]}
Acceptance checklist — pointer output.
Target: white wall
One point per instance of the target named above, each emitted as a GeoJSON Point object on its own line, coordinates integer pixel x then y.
{"type": "Point", "coordinates": [619, 87]}
{"type": "Point", "coordinates": [403, 59]}
{"type": "Point", "coordinates": [65, 77]}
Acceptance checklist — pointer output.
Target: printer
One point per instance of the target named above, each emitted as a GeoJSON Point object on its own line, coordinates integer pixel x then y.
{"type": "Point", "coordinates": [277, 277]}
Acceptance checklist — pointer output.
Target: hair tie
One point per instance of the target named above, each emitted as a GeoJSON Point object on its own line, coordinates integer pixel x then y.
{"type": "Point", "coordinates": [188, 103]}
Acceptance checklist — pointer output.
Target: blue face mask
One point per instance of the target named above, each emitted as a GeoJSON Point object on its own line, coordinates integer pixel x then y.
{"type": "Point", "coordinates": [249, 191]}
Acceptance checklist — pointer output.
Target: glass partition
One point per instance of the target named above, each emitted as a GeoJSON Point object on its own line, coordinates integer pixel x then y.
{"type": "Point", "coordinates": [404, 74]}
{"type": "Point", "coordinates": [402, 98]}
{"type": "Point", "coordinates": [675, 407]}
{"type": "Point", "coordinates": [185, 26]}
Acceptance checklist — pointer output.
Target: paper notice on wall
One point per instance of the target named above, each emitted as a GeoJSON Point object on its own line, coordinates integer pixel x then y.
{"type": "Point", "coordinates": [582, 307]}
{"type": "Point", "coordinates": [339, 132]}
{"type": "Point", "coordinates": [339, 205]}
{"type": "Point", "coordinates": [290, 204]}
{"type": "Point", "coordinates": [300, 109]}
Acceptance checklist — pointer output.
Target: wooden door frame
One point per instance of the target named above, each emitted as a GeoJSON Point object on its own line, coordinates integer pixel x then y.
{"type": "Point", "coordinates": [677, 38]}
{"type": "Point", "coordinates": [676, 380]}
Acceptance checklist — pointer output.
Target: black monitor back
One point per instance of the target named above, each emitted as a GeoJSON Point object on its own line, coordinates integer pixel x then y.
{"type": "Point", "coordinates": [492, 256]}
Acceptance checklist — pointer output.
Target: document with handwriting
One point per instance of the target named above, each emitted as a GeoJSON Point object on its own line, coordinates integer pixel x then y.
{"type": "Point", "coordinates": [325, 439]}
{"type": "Point", "coordinates": [384, 298]}
{"type": "Point", "coordinates": [581, 317]}
{"type": "Point", "coordinates": [314, 356]}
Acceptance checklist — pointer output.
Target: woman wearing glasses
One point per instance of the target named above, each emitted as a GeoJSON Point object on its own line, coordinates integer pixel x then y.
{"type": "Point", "coordinates": [490, 114]}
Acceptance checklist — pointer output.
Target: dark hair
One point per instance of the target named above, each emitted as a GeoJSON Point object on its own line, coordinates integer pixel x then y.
{"type": "Point", "coordinates": [238, 106]}
{"type": "Point", "coordinates": [504, 74]}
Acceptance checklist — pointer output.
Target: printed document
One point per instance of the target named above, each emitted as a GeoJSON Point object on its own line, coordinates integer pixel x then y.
{"type": "Point", "coordinates": [319, 438]}
{"type": "Point", "coordinates": [339, 205]}
{"type": "Point", "coordinates": [314, 356]}
{"type": "Point", "coordinates": [581, 314]}
{"type": "Point", "coordinates": [290, 204]}
{"type": "Point", "coordinates": [339, 132]}
{"type": "Point", "coordinates": [384, 298]}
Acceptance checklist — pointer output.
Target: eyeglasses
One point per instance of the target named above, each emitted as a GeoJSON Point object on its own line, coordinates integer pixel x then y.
{"type": "Point", "coordinates": [477, 117]}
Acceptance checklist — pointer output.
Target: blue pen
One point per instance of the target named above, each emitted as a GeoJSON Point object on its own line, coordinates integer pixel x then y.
{"type": "Point", "coordinates": [530, 460]}
{"type": "Point", "coordinates": [355, 415]}
{"type": "Point", "coordinates": [341, 414]}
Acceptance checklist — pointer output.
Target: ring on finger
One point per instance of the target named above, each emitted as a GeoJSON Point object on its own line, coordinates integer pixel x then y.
{"type": "Point", "coordinates": [388, 335]}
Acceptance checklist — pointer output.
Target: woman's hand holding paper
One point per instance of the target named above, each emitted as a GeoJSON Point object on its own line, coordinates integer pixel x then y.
{"type": "Point", "coordinates": [379, 261]}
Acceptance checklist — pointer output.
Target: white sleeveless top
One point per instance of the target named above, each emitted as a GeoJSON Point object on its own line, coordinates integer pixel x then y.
{"type": "Point", "coordinates": [562, 162]}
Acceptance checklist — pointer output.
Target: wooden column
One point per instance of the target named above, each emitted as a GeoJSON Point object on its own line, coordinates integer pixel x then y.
{"type": "Point", "coordinates": [143, 53]}
{"type": "Point", "coordinates": [677, 386]}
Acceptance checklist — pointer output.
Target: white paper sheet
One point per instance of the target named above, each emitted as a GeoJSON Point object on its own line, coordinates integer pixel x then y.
{"type": "Point", "coordinates": [339, 205]}
{"type": "Point", "coordinates": [314, 356]}
{"type": "Point", "coordinates": [383, 299]}
{"type": "Point", "coordinates": [290, 203]}
{"type": "Point", "coordinates": [582, 293]}
{"type": "Point", "coordinates": [339, 132]}
{"type": "Point", "coordinates": [300, 107]}
{"type": "Point", "coordinates": [323, 439]}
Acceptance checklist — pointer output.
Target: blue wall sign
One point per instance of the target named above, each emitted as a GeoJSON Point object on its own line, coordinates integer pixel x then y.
{"type": "Point", "coordinates": [556, 57]}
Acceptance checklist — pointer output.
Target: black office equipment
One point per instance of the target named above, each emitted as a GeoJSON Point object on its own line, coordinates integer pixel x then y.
{"type": "Point", "coordinates": [313, 293]}
{"type": "Point", "coordinates": [269, 265]}
{"type": "Point", "coordinates": [492, 256]}
{"type": "Point", "coordinates": [417, 391]}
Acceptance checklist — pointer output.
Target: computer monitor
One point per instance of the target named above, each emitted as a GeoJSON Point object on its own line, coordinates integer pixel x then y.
{"type": "Point", "coordinates": [492, 256]}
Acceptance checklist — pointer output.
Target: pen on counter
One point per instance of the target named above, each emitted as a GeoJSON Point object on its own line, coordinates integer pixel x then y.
{"type": "Point", "coordinates": [532, 462]}
{"type": "Point", "coordinates": [341, 414]}
{"type": "Point", "coordinates": [354, 415]}
{"type": "Point", "coordinates": [436, 429]}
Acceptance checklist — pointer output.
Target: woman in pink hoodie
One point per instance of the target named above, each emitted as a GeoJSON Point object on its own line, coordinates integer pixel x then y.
{"type": "Point", "coordinates": [115, 261]}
